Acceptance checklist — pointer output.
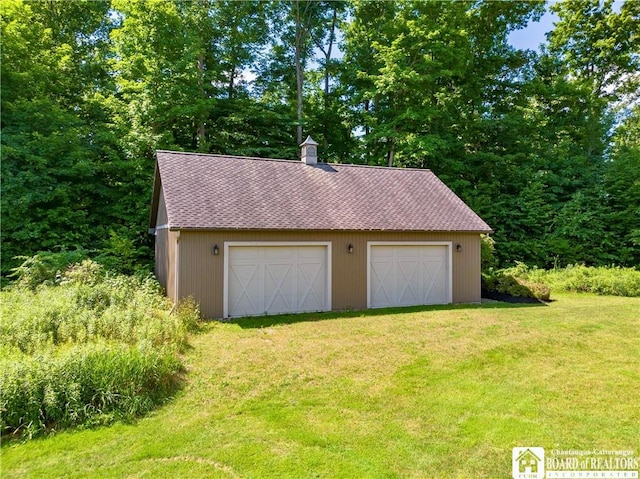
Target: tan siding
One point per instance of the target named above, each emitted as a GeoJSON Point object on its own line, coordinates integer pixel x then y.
{"type": "Point", "coordinates": [201, 273]}
{"type": "Point", "coordinates": [165, 251]}
{"type": "Point", "coordinates": [162, 257]}
{"type": "Point", "coordinates": [166, 260]}
{"type": "Point", "coordinates": [162, 218]}
{"type": "Point", "coordinates": [172, 242]}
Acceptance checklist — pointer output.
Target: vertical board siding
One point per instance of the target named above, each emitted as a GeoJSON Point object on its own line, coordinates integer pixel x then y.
{"type": "Point", "coordinates": [162, 254]}
{"type": "Point", "coordinates": [172, 243]}
{"type": "Point", "coordinates": [166, 260]}
{"type": "Point", "coordinates": [201, 272]}
{"type": "Point", "coordinates": [165, 249]}
{"type": "Point", "coordinates": [162, 218]}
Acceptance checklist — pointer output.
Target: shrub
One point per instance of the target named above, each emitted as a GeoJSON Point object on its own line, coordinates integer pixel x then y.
{"type": "Point", "coordinates": [45, 267]}
{"type": "Point", "coordinates": [504, 282]}
{"type": "Point", "coordinates": [487, 252]}
{"type": "Point", "coordinates": [120, 253]}
{"type": "Point", "coordinates": [188, 314]}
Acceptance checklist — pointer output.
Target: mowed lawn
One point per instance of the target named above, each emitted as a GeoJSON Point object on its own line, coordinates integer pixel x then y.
{"type": "Point", "coordinates": [417, 393]}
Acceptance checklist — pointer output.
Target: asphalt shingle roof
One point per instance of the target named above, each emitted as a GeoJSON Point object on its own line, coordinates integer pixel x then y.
{"type": "Point", "coordinates": [229, 192]}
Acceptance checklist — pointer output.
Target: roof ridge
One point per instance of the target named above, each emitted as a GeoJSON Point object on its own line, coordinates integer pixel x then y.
{"type": "Point", "coordinates": [216, 155]}
{"type": "Point", "coordinates": [354, 165]}
{"type": "Point", "coordinates": [379, 167]}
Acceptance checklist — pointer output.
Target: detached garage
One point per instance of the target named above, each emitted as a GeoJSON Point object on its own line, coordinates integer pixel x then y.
{"type": "Point", "coordinates": [251, 236]}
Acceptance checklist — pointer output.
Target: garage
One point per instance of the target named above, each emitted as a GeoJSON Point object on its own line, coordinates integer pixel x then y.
{"type": "Point", "coordinates": [408, 274]}
{"type": "Point", "coordinates": [252, 236]}
{"type": "Point", "coordinates": [275, 278]}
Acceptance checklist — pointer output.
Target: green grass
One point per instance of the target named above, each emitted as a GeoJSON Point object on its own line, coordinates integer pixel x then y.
{"type": "Point", "coordinates": [434, 392]}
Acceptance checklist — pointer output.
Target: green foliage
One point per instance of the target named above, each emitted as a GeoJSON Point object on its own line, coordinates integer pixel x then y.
{"type": "Point", "coordinates": [89, 305]}
{"type": "Point", "coordinates": [611, 280]}
{"type": "Point", "coordinates": [525, 281]}
{"type": "Point", "coordinates": [65, 180]}
{"type": "Point", "coordinates": [88, 384]}
{"type": "Point", "coordinates": [622, 187]}
{"type": "Point", "coordinates": [506, 282]}
{"type": "Point", "coordinates": [121, 254]}
{"type": "Point", "coordinates": [544, 146]}
{"type": "Point", "coordinates": [187, 313]}
{"type": "Point", "coordinates": [89, 348]}
{"type": "Point", "coordinates": [45, 267]}
{"type": "Point", "coordinates": [487, 252]}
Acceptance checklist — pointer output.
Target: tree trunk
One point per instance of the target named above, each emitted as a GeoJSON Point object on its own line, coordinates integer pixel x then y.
{"type": "Point", "coordinates": [299, 73]}
{"type": "Point", "coordinates": [230, 88]}
{"type": "Point", "coordinates": [201, 130]}
{"type": "Point", "coordinates": [392, 153]}
{"type": "Point", "coordinates": [327, 60]}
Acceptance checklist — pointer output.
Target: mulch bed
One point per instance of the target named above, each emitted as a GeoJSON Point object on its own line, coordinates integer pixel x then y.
{"type": "Point", "coordinates": [507, 298]}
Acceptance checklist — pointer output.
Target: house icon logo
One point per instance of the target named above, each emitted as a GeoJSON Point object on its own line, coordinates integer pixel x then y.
{"type": "Point", "coordinates": [528, 463]}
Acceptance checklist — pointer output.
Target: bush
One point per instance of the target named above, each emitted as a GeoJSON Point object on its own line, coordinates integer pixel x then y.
{"type": "Point", "coordinates": [188, 313]}
{"type": "Point", "coordinates": [45, 267]}
{"type": "Point", "coordinates": [488, 257]}
{"type": "Point", "coordinates": [504, 282]}
{"type": "Point", "coordinates": [120, 253]}
{"type": "Point", "coordinates": [89, 348]}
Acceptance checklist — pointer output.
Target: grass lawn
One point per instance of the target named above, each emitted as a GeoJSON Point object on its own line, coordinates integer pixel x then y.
{"type": "Point", "coordinates": [426, 392]}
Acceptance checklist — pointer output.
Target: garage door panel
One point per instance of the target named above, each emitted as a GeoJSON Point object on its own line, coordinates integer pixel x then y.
{"type": "Point", "coordinates": [276, 303]}
{"type": "Point", "coordinates": [277, 279]}
{"type": "Point", "coordinates": [311, 285]}
{"type": "Point", "coordinates": [277, 286]}
{"type": "Point", "coordinates": [241, 279]}
{"type": "Point", "coordinates": [275, 253]}
{"type": "Point", "coordinates": [408, 294]}
{"type": "Point", "coordinates": [381, 280]}
{"type": "Point", "coordinates": [404, 275]}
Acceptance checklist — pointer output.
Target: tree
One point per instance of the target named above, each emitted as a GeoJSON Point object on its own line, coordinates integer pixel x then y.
{"type": "Point", "coordinates": [601, 58]}
{"type": "Point", "coordinates": [58, 147]}
{"type": "Point", "coordinates": [157, 78]}
{"type": "Point", "coordinates": [622, 189]}
{"type": "Point", "coordinates": [586, 78]}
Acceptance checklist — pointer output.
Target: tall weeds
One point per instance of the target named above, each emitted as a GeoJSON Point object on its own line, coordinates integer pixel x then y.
{"type": "Point", "coordinates": [89, 349]}
{"type": "Point", "coordinates": [613, 280]}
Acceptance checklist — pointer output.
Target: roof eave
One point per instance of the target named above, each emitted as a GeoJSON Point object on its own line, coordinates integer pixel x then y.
{"type": "Point", "coordinates": [328, 230]}
{"type": "Point", "coordinates": [155, 198]}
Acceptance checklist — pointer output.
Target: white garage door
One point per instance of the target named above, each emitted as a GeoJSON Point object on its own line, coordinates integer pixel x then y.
{"type": "Point", "coordinates": [272, 279]}
{"type": "Point", "coordinates": [409, 274]}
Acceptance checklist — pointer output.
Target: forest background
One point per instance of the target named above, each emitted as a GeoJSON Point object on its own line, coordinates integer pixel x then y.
{"type": "Point", "coordinates": [544, 145]}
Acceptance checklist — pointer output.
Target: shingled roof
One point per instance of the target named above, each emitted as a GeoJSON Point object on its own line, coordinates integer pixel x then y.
{"type": "Point", "coordinates": [238, 193]}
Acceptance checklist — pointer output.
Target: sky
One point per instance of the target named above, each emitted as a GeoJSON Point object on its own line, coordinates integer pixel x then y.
{"type": "Point", "coordinates": [533, 35]}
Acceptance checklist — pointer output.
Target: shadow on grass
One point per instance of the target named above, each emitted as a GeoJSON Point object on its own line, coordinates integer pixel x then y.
{"type": "Point", "coordinates": [256, 322]}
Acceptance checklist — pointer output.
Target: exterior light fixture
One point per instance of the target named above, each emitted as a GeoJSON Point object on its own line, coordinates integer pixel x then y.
{"type": "Point", "coordinates": [458, 247]}
{"type": "Point", "coordinates": [349, 248]}
{"type": "Point", "coordinates": [215, 250]}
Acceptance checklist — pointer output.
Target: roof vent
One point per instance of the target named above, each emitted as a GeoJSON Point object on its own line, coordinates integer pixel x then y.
{"type": "Point", "coordinates": [309, 151]}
